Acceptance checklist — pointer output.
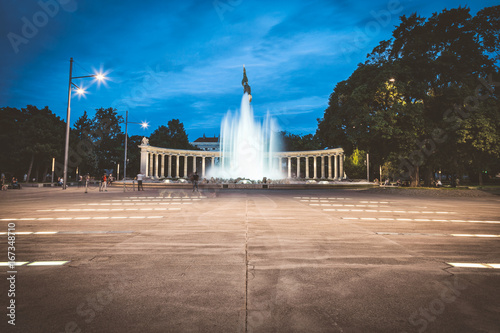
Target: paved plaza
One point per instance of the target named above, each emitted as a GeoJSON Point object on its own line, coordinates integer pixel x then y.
{"type": "Point", "coordinates": [170, 260]}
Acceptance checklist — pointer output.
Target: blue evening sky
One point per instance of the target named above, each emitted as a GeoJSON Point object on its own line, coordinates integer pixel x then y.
{"type": "Point", "coordinates": [183, 59]}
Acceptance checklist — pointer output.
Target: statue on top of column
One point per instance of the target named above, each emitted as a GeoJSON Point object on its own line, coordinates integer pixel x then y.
{"type": "Point", "coordinates": [145, 141]}
{"type": "Point", "coordinates": [246, 87]}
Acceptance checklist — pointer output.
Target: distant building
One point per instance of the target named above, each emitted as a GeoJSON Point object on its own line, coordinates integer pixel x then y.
{"type": "Point", "coordinates": [209, 144]}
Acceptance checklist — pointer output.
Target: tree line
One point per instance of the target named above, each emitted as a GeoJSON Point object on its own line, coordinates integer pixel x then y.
{"type": "Point", "coordinates": [31, 138]}
{"type": "Point", "coordinates": [425, 100]}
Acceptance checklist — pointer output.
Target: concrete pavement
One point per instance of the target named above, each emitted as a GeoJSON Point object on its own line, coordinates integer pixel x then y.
{"type": "Point", "coordinates": [251, 261]}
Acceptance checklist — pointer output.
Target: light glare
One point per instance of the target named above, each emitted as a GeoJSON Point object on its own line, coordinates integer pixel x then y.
{"type": "Point", "coordinates": [48, 263]}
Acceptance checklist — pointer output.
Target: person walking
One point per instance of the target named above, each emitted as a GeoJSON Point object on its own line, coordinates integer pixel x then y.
{"type": "Point", "coordinates": [104, 183]}
{"type": "Point", "coordinates": [195, 181]}
{"type": "Point", "coordinates": [87, 179]}
{"type": "Point", "coordinates": [140, 177]}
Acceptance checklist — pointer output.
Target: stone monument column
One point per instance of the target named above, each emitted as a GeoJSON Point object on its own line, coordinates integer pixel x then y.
{"type": "Point", "coordinates": [203, 167]}
{"type": "Point", "coordinates": [329, 166]}
{"type": "Point", "coordinates": [336, 167]}
{"type": "Point", "coordinates": [322, 167]}
{"type": "Point", "coordinates": [315, 167]}
{"type": "Point", "coordinates": [298, 166]}
{"type": "Point", "coordinates": [144, 159]}
{"type": "Point", "coordinates": [177, 159]}
{"type": "Point", "coordinates": [341, 158]}
{"type": "Point", "coordinates": [307, 167]}
{"type": "Point", "coordinates": [169, 166]}
{"type": "Point", "coordinates": [162, 175]}
{"type": "Point", "coordinates": [156, 165]}
{"type": "Point", "coordinates": [289, 167]}
{"type": "Point", "coordinates": [185, 166]}
{"type": "Point", "coordinates": [151, 156]}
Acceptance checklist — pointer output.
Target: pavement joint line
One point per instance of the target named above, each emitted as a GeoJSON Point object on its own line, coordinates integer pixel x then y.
{"type": "Point", "coordinates": [137, 204]}
{"type": "Point", "coordinates": [97, 210]}
{"type": "Point", "coordinates": [379, 211]}
{"type": "Point", "coordinates": [435, 234]}
{"type": "Point", "coordinates": [316, 199]}
{"type": "Point", "coordinates": [416, 220]}
{"type": "Point", "coordinates": [82, 218]}
{"type": "Point", "coordinates": [71, 232]}
{"type": "Point", "coordinates": [475, 235]}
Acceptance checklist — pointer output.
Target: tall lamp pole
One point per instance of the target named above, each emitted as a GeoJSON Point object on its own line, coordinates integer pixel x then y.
{"type": "Point", "coordinates": [126, 146]}
{"type": "Point", "coordinates": [144, 125]}
{"type": "Point", "coordinates": [80, 91]}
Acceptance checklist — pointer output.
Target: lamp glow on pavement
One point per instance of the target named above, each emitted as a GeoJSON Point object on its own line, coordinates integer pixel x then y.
{"type": "Point", "coordinates": [47, 263]}
{"type": "Point", "coordinates": [472, 265]}
{"type": "Point", "coordinates": [17, 263]}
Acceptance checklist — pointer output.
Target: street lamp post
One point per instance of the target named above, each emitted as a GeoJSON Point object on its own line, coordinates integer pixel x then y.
{"type": "Point", "coordinates": [126, 143]}
{"type": "Point", "coordinates": [144, 125]}
{"type": "Point", "coordinates": [99, 77]}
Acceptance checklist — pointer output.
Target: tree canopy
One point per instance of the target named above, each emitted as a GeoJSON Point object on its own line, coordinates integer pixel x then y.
{"type": "Point", "coordinates": [30, 138]}
{"type": "Point", "coordinates": [425, 99]}
{"type": "Point", "coordinates": [172, 136]}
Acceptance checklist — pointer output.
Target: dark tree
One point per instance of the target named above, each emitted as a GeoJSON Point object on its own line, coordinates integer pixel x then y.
{"type": "Point", "coordinates": [171, 136]}
{"type": "Point", "coordinates": [420, 100]}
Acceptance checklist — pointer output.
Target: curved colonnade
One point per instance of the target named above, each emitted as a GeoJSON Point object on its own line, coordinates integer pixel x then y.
{"type": "Point", "coordinates": [159, 162]}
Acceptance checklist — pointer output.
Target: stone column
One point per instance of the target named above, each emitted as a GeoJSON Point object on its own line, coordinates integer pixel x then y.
{"type": "Point", "coordinates": [341, 157]}
{"type": "Point", "coordinates": [156, 165]}
{"type": "Point", "coordinates": [322, 167]}
{"type": "Point", "coordinates": [169, 166]}
{"type": "Point", "coordinates": [194, 163]}
{"type": "Point", "coordinates": [203, 167]}
{"type": "Point", "coordinates": [315, 167]}
{"type": "Point", "coordinates": [177, 159]}
{"type": "Point", "coordinates": [289, 167]}
{"type": "Point", "coordinates": [336, 167]}
{"type": "Point", "coordinates": [329, 166]}
{"type": "Point", "coordinates": [162, 166]}
{"type": "Point", "coordinates": [151, 164]}
{"type": "Point", "coordinates": [298, 166]}
{"type": "Point", "coordinates": [144, 161]}
{"type": "Point", "coordinates": [185, 166]}
{"type": "Point", "coordinates": [213, 161]}
{"type": "Point", "coordinates": [307, 167]}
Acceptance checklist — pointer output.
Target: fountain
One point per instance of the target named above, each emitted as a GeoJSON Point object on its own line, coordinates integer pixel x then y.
{"type": "Point", "coordinates": [247, 145]}
{"type": "Point", "coordinates": [250, 150]}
